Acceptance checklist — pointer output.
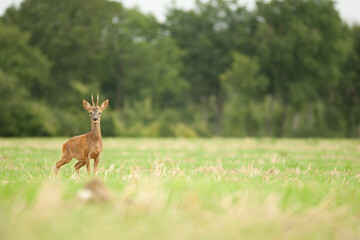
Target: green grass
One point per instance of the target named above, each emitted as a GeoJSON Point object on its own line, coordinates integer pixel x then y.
{"type": "Point", "coordinates": [185, 189]}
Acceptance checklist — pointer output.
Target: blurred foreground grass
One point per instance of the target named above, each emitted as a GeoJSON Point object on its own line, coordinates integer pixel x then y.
{"type": "Point", "coordinates": [185, 189]}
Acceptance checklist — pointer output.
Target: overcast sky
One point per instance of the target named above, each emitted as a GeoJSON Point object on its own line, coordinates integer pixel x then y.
{"type": "Point", "coordinates": [349, 9]}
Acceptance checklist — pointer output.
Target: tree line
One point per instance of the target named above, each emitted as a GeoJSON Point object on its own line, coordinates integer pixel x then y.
{"type": "Point", "coordinates": [287, 68]}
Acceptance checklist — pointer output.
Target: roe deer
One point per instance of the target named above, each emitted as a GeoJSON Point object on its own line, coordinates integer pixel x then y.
{"type": "Point", "coordinates": [87, 146]}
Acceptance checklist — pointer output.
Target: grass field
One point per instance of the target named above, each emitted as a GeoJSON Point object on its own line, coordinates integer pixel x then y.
{"type": "Point", "coordinates": [185, 189]}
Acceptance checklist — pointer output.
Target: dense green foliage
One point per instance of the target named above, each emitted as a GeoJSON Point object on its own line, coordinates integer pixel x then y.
{"type": "Point", "coordinates": [184, 189]}
{"type": "Point", "coordinates": [286, 68]}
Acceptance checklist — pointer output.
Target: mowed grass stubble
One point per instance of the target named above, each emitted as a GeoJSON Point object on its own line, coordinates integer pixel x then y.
{"type": "Point", "coordinates": [185, 189]}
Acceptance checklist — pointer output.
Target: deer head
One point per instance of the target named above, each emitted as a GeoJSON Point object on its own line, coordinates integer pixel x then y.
{"type": "Point", "coordinates": [95, 110]}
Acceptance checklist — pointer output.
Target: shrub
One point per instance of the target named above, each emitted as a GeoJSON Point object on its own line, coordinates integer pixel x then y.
{"type": "Point", "coordinates": [182, 130]}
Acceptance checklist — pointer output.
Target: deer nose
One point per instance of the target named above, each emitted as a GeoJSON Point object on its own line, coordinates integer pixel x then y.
{"type": "Point", "coordinates": [95, 119]}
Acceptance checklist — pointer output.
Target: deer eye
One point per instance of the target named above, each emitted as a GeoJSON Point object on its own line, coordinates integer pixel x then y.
{"type": "Point", "coordinates": [99, 113]}
{"type": "Point", "coordinates": [91, 113]}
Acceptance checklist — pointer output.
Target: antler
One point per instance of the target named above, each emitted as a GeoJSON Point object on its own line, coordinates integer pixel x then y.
{"type": "Point", "coordinates": [92, 99]}
{"type": "Point", "coordinates": [97, 99]}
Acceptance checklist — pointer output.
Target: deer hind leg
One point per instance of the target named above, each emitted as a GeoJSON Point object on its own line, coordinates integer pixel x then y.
{"type": "Point", "coordinates": [64, 160]}
{"type": "Point", "coordinates": [79, 165]}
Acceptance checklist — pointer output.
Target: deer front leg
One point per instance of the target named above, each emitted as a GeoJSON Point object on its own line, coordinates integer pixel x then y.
{"type": "Point", "coordinates": [96, 163]}
{"type": "Point", "coordinates": [88, 164]}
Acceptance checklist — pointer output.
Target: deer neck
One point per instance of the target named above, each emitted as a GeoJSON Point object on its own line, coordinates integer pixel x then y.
{"type": "Point", "coordinates": [95, 131]}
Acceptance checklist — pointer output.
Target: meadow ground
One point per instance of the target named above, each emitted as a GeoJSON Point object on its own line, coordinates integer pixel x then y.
{"type": "Point", "coordinates": [185, 189]}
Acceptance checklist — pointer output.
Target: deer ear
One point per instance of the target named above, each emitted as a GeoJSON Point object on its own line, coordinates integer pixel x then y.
{"type": "Point", "coordinates": [104, 105]}
{"type": "Point", "coordinates": [86, 105]}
